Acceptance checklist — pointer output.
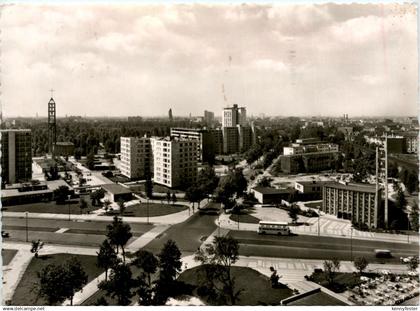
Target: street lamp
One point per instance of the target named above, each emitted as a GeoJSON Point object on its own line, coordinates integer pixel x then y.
{"type": "Point", "coordinates": [408, 228]}
{"type": "Point", "coordinates": [319, 232]}
{"type": "Point", "coordinates": [69, 211]}
{"type": "Point", "coordinates": [147, 210]}
{"type": "Point", "coordinates": [351, 243]}
{"type": "Point", "coordinates": [27, 239]}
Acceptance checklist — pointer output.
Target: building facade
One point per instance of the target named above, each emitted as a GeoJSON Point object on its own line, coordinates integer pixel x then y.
{"type": "Point", "coordinates": [233, 116]}
{"type": "Point", "coordinates": [412, 143]}
{"type": "Point", "coordinates": [64, 149]}
{"type": "Point", "coordinates": [174, 161]}
{"type": "Point", "coordinates": [136, 157]}
{"type": "Point", "coordinates": [206, 148]}
{"type": "Point", "coordinates": [356, 202]}
{"type": "Point", "coordinates": [16, 156]}
{"type": "Point", "coordinates": [208, 117]}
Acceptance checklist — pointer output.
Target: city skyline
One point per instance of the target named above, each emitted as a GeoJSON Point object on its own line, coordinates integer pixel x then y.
{"type": "Point", "coordinates": [288, 60]}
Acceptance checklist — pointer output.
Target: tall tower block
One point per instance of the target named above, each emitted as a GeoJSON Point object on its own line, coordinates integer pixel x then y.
{"type": "Point", "coordinates": [52, 126]}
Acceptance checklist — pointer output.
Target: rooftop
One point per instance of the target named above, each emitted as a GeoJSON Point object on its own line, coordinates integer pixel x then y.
{"type": "Point", "coordinates": [269, 190]}
{"type": "Point", "coordinates": [353, 186]}
{"type": "Point", "coordinates": [315, 297]}
{"type": "Point", "coordinates": [115, 189]}
{"type": "Point", "coordinates": [15, 130]}
{"type": "Point", "coordinates": [64, 143]}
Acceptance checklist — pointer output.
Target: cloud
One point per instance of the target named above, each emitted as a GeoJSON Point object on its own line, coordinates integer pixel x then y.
{"type": "Point", "coordinates": [143, 59]}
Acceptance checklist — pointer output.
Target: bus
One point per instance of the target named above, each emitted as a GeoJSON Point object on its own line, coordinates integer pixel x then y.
{"type": "Point", "coordinates": [273, 227]}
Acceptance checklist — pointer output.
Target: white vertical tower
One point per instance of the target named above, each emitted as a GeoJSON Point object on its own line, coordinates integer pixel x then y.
{"type": "Point", "coordinates": [382, 175]}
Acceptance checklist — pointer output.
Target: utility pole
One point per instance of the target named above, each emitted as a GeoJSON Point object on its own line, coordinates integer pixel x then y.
{"type": "Point", "coordinates": [27, 239]}
{"type": "Point", "coordinates": [147, 210]}
{"type": "Point", "coordinates": [351, 244]}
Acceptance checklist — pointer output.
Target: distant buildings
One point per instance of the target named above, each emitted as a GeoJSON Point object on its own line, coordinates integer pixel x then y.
{"type": "Point", "coordinates": [208, 117]}
{"type": "Point", "coordinates": [233, 116]}
{"type": "Point", "coordinates": [305, 156]}
{"type": "Point", "coordinates": [16, 156]}
{"type": "Point", "coordinates": [64, 148]}
{"type": "Point", "coordinates": [170, 115]}
{"type": "Point", "coordinates": [206, 141]}
{"type": "Point", "coordinates": [356, 202]}
{"type": "Point", "coordinates": [174, 161]}
{"type": "Point", "coordinates": [412, 142]}
{"type": "Point", "coordinates": [403, 142]}
{"type": "Point", "coordinates": [136, 157]}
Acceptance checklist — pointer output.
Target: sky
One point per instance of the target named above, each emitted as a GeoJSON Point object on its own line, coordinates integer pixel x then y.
{"type": "Point", "coordinates": [141, 60]}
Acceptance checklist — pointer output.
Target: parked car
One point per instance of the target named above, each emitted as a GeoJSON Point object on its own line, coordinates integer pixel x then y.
{"type": "Point", "coordinates": [5, 234]}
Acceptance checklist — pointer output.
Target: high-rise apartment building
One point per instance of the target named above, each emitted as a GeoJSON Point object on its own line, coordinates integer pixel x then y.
{"type": "Point", "coordinates": [136, 157]}
{"type": "Point", "coordinates": [233, 116]}
{"type": "Point", "coordinates": [174, 161]}
{"type": "Point", "coordinates": [16, 156]}
{"type": "Point", "coordinates": [205, 141]}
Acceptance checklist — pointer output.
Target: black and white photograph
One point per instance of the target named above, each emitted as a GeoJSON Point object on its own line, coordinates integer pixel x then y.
{"type": "Point", "coordinates": [209, 153]}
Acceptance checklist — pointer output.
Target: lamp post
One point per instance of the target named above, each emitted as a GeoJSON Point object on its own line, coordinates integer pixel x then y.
{"type": "Point", "coordinates": [351, 244]}
{"type": "Point", "coordinates": [319, 231]}
{"type": "Point", "coordinates": [408, 228]}
{"type": "Point", "coordinates": [147, 210]}
{"type": "Point", "coordinates": [26, 214]}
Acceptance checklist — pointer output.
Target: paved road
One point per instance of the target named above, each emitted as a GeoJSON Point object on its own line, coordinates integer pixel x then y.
{"type": "Point", "coordinates": [188, 235]}
{"type": "Point", "coordinates": [63, 232]}
{"type": "Point", "coordinates": [312, 247]}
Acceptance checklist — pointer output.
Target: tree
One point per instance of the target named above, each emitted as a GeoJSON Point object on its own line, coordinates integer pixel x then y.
{"type": "Point", "coordinates": [90, 161]}
{"type": "Point", "coordinates": [76, 277]}
{"type": "Point", "coordinates": [120, 284]}
{"type": "Point", "coordinates": [217, 260]}
{"type": "Point", "coordinates": [331, 267]}
{"type": "Point", "coordinates": [413, 263]}
{"type": "Point", "coordinates": [106, 257]}
{"type": "Point", "coordinates": [60, 282]}
{"type": "Point", "coordinates": [194, 195]}
{"type": "Point", "coordinates": [293, 212]}
{"type": "Point", "coordinates": [118, 234]}
{"type": "Point", "coordinates": [265, 182]}
{"type": "Point", "coordinates": [412, 183]}
{"type": "Point", "coordinates": [101, 302]}
{"type": "Point", "coordinates": [169, 266]}
{"type": "Point", "coordinates": [61, 194]}
{"type": "Point", "coordinates": [401, 200]}
{"type": "Point", "coordinates": [51, 284]}
{"type": "Point", "coordinates": [168, 197]}
{"type": "Point", "coordinates": [36, 247]}
{"type": "Point", "coordinates": [96, 196]}
{"type": "Point", "coordinates": [274, 278]}
{"type": "Point", "coordinates": [82, 205]}
{"type": "Point", "coordinates": [121, 205]}
{"type": "Point", "coordinates": [207, 180]}
{"type": "Point", "coordinates": [360, 263]}
{"type": "Point", "coordinates": [107, 203]}
{"type": "Point", "coordinates": [173, 199]}
{"type": "Point", "coordinates": [148, 264]}
{"type": "Point", "coordinates": [148, 186]}
{"type": "Point", "coordinates": [414, 217]}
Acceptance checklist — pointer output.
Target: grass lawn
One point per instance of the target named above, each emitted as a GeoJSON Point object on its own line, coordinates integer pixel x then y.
{"type": "Point", "coordinates": [245, 218]}
{"type": "Point", "coordinates": [7, 255]}
{"type": "Point", "coordinates": [26, 295]}
{"type": "Point", "coordinates": [155, 209]}
{"type": "Point", "coordinates": [52, 207]}
{"type": "Point", "coordinates": [342, 281]}
{"type": "Point", "coordinates": [256, 287]}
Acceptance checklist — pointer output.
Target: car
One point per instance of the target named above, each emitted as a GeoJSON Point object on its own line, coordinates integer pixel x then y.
{"type": "Point", "coordinates": [5, 234]}
{"type": "Point", "coordinates": [405, 259]}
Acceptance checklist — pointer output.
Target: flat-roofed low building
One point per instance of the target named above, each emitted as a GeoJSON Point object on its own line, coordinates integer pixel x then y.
{"type": "Point", "coordinates": [116, 192]}
{"type": "Point", "coordinates": [308, 162]}
{"type": "Point", "coordinates": [310, 188]}
{"type": "Point", "coordinates": [356, 202]}
{"type": "Point", "coordinates": [268, 195]}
